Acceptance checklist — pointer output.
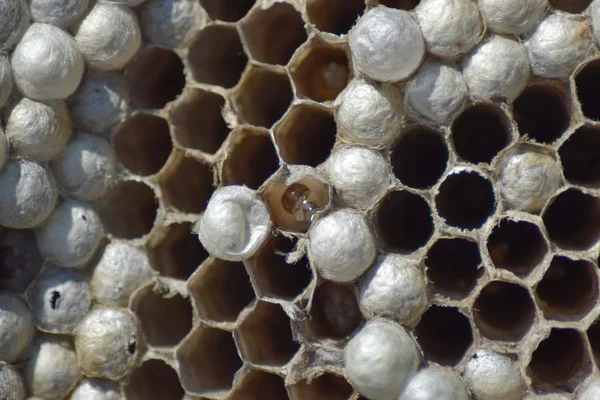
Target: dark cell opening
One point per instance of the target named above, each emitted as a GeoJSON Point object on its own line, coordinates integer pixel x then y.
{"type": "Point", "coordinates": [334, 16]}
{"type": "Point", "coordinates": [465, 200]}
{"type": "Point", "coordinates": [541, 113]}
{"type": "Point", "coordinates": [444, 335]}
{"type": "Point", "coordinates": [480, 132]}
{"type": "Point", "coordinates": [579, 157]}
{"type": "Point", "coordinates": [419, 157]}
{"type": "Point", "coordinates": [503, 311]}
{"type": "Point", "coordinates": [404, 222]}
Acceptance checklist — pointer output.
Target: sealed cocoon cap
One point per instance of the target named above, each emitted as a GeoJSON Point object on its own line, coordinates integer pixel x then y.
{"type": "Point", "coordinates": [386, 44]}
{"type": "Point", "coordinates": [341, 245]}
{"type": "Point", "coordinates": [46, 63]}
{"type": "Point", "coordinates": [380, 360]}
{"type": "Point", "coordinates": [235, 224]}
{"type": "Point", "coordinates": [494, 376]}
{"type": "Point", "coordinates": [435, 383]}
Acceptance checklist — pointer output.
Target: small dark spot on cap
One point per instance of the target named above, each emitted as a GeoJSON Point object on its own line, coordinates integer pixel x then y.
{"type": "Point", "coordinates": [54, 299]}
{"type": "Point", "coordinates": [131, 348]}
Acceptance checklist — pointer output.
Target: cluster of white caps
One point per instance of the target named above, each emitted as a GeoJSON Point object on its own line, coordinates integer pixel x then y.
{"type": "Point", "coordinates": [426, 66]}
{"type": "Point", "coordinates": [61, 92]}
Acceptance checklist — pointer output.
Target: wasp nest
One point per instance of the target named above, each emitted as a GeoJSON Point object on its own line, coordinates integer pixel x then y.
{"type": "Point", "coordinates": [299, 199]}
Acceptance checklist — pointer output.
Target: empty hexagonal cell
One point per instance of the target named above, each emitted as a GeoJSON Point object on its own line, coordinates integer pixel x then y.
{"type": "Point", "coordinates": [143, 144]}
{"type": "Point", "coordinates": [273, 34]}
{"type": "Point", "coordinates": [453, 266]}
{"type": "Point", "coordinates": [444, 335]}
{"type": "Point", "coordinates": [306, 136]}
{"type": "Point", "coordinates": [265, 336]}
{"type": "Point", "coordinates": [570, 6]}
{"type": "Point", "coordinates": [465, 200]}
{"type": "Point", "coordinates": [198, 121]}
{"type": "Point", "coordinates": [129, 210]}
{"type": "Point", "coordinates": [588, 86]}
{"type": "Point", "coordinates": [593, 334]}
{"type": "Point", "coordinates": [208, 360]}
{"type": "Point", "coordinates": [155, 77]}
{"type": "Point", "coordinates": [276, 278]}
{"type": "Point", "coordinates": [573, 220]}
{"type": "Point", "coordinates": [153, 380]}
{"type": "Point", "coordinates": [542, 113]}
{"type": "Point", "coordinates": [569, 289]}
{"type": "Point", "coordinates": [480, 132]}
{"type": "Point", "coordinates": [334, 312]}
{"type": "Point", "coordinates": [216, 55]}
{"type": "Point", "coordinates": [179, 253]}
{"type": "Point", "coordinates": [404, 221]}
{"type": "Point", "coordinates": [189, 187]}
{"type": "Point", "coordinates": [419, 157]}
{"type": "Point", "coordinates": [322, 72]}
{"type": "Point", "coordinates": [221, 289]}
{"type": "Point", "coordinates": [327, 386]}
{"type": "Point", "coordinates": [227, 10]}
{"type": "Point", "coordinates": [264, 97]}
{"type": "Point", "coordinates": [334, 16]}
{"type": "Point", "coordinates": [503, 311]}
{"type": "Point", "coordinates": [20, 259]}
{"type": "Point", "coordinates": [163, 320]}
{"type": "Point", "coordinates": [401, 4]}
{"type": "Point", "coordinates": [517, 246]}
{"type": "Point", "coordinates": [249, 146]}
{"type": "Point", "coordinates": [560, 362]}
{"type": "Point", "coordinates": [579, 157]}
{"type": "Point", "coordinates": [260, 385]}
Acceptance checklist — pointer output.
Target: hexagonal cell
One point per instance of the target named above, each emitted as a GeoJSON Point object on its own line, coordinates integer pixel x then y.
{"type": "Point", "coordinates": [453, 267]}
{"type": "Point", "coordinates": [593, 334]}
{"type": "Point", "coordinates": [573, 220]}
{"type": "Point", "coordinates": [221, 289]}
{"type": "Point", "coordinates": [334, 16]}
{"type": "Point", "coordinates": [249, 146]}
{"type": "Point", "coordinates": [163, 320]}
{"type": "Point", "coordinates": [265, 336]}
{"type": "Point", "coordinates": [208, 360]}
{"type": "Point", "coordinates": [216, 55]}
{"type": "Point", "coordinates": [179, 253]}
{"type": "Point", "coordinates": [517, 246]}
{"type": "Point", "coordinates": [283, 203]}
{"type": "Point", "coordinates": [542, 113]}
{"type": "Point", "coordinates": [587, 85]}
{"type": "Point", "coordinates": [20, 259]}
{"type": "Point", "coordinates": [404, 221]}
{"type": "Point", "coordinates": [153, 380]}
{"type": "Point", "coordinates": [129, 211]}
{"type": "Point", "coordinates": [260, 385]}
{"type": "Point", "coordinates": [264, 96]}
{"type": "Point", "coordinates": [227, 10]}
{"type": "Point", "coordinates": [273, 34]}
{"type": "Point", "coordinates": [306, 136]}
{"type": "Point", "coordinates": [276, 278]}
{"type": "Point", "coordinates": [198, 121]}
{"type": "Point", "coordinates": [465, 200]}
{"type": "Point", "coordinates": [401, 4]}
{"type": "Point", "coordinates": [569, 289]}
{"type": "Point", "coordinates": [560, 362]}
{"type": "Point", "coordinates": [189, 187]}
{"type": "Point", "coordinates": [579, 157]}
{"type": "Point", "coordinates": [444, 334]}
{"type": "Point", "coordinates": [155, 77]}
{"type": "Point", "coordinates": [419, 157]}
{"type": "Point", "coordinates": [334, 312]}
{"type": "Point", "coordinates": [503, 311]}
{"type": "Point", "coordinates": [570, 6]}
{"type": "Point", "coordinates": [322, 73]}
{"type": "Point", "coordinates": [480, 132]}
{"type": "Point", "coordinates": [325, 387]}
{"type": "Point", "coordinates": [143, 144]}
